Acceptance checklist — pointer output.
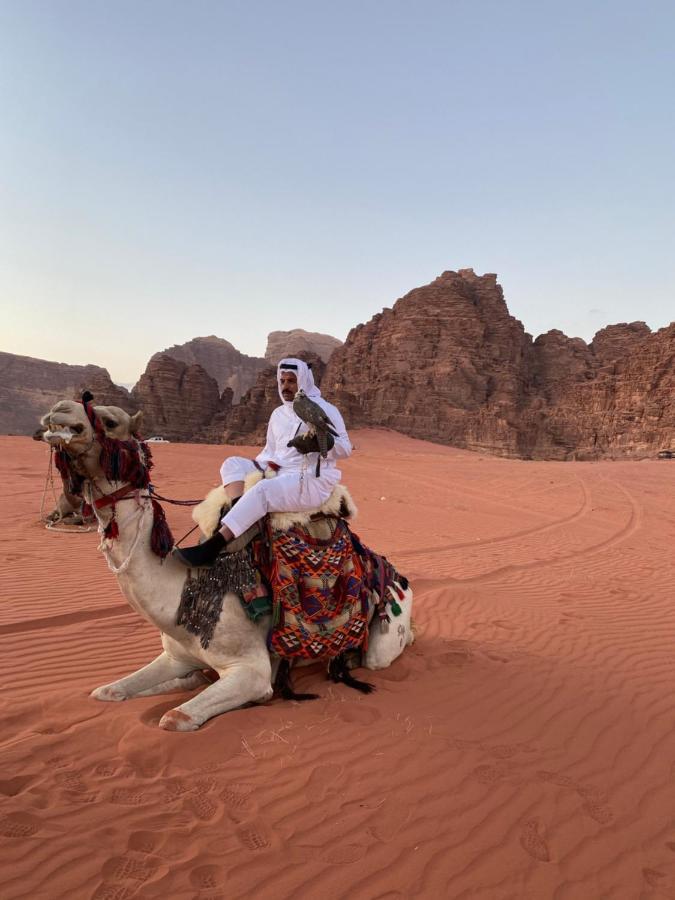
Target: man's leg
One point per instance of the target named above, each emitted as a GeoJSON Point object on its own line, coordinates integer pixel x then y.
{"type": "Point", "coordinates": [285, 493]}
{"type": "Point", "coordinates": [233, 472]}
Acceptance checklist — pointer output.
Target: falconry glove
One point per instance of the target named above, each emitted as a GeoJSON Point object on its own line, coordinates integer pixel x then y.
{"type": "Point", "coordinates": [309, 443]}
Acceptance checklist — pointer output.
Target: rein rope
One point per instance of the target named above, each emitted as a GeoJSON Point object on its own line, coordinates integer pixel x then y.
{"type": "Point", "coordinates": [57, 525]}
{"type": "Point", "coordinates": [105, 545]}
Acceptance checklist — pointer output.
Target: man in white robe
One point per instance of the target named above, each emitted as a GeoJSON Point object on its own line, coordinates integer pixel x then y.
{"type": "Point", "coordinates": [295, 486]}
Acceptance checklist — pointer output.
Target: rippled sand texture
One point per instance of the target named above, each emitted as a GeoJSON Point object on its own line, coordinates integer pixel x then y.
{"type": "Point", "coordinates": [524, 747]}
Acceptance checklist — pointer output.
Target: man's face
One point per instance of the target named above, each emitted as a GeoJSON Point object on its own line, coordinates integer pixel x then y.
{"type": "Point", "coordinates": [288, 382]}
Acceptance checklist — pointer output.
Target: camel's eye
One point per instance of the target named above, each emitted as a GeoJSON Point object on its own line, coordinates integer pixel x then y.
{"type": "Point", "coordinates": [110, 423]}
{"type": "Point", "coordinates": [78, 429]}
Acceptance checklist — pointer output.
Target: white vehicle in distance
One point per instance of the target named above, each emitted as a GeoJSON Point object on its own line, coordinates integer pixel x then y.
{"type": "Point", "coordinates": [157, 440]}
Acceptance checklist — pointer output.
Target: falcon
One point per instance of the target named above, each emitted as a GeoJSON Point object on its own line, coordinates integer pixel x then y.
{"type": "Point", "coordinates": [317, 420]}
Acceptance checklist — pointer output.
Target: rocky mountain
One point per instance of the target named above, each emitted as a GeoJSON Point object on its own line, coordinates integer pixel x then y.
{"type": "Point", "coordinates": [29, 387]}
{"type": "Point", "coordinates": [297, 341]}
{"type": "Point", "coordinates": [178, 400]}
{"type": "Point", "coordinates": [222, 361]}
{"type": "Point", "coordinates": [612, 398]}
{"type": "Point", "coordinates": [449, 364]}
{"type": "Point", "coordinates": [446, 363]}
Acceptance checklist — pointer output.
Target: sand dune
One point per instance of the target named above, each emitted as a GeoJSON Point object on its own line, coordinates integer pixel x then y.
{"type": "Point", "coordinates": [524, 747]}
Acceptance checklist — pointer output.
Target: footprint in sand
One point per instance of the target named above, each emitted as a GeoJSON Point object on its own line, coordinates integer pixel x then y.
{"type": "Point", "coordinates": [131, 868]}
{"type": "Point", "coordinates": [556, 778]}
{"type": "Point", "coordinates": [358, 714]}
{"type": "Point", "coordinates": [533, 842]}
{"type": "Point", "coordinates": [254, 837]}
{"type": "Point", "coordinates": [106, 891]}
{"type": "Point", "coordinates": [653, 877]}
{"type": "Point", "coordinates": [343, 855]}
{"type": "Point", "coordinates": [105, 770]}
{"type": "Point", "coordinates": [142, 841]}
{"type": "Point", "coordinates": [208, 876]}
{"type": "Point", "coordinates": [493, 774]}
{"type": "Point", "coordinates": [203, 807]}
{"type": "Point", "coordinates": [322, 781]}
{"type": "Point", "coordinates": [388, 820]}
{"type": "Point", "coordinates": [602, 814]}
{"type": "Point", "coordinates": [239, 801]}
{"type": "Point", "coordinates": [128, 868]}
{"type": "Point", "coordinates": [19, 825]}
{"type": "Point", "coordinates": [502, 751]}
{"type": "Point", "coordinates": [72, 781]}
{"type": "Point", "coordinates": [125, 797]}
{"type": "Point", "coordinates": [10, 787]}
{"type": "Point", "coordinates": [176, 789]}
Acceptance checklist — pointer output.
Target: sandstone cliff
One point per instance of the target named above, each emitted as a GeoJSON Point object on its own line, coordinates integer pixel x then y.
{"type": "Point", "coordinates": [29, 387]}
{"type": "Point", "coordinates": [446, 363]}
{"type": "Point", "coordinates": [612, 398]}
{"type": "Point", "coordinates": [449, 364]}
{"type": "Point", "coordinates": [297, 341]}
{"type": "Point", "coordinates": [178, 400]}
{"type": "Point", "coordinates": [222, 361]}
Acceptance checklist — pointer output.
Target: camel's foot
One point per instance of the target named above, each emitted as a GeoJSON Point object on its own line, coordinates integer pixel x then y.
{"type": "Point", "coordinates": [109, 692]}
{"type": "Point", "coordinates": [177, 720]}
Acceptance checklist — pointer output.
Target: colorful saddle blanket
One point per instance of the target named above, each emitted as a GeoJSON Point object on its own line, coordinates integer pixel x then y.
{"type": "Point", "coordinates": [319, 604]}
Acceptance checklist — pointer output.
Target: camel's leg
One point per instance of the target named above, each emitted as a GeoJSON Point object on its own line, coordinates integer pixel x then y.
{"type": "Point", "coordinates": [238, 684]}
{"type": "Point", "coordinates": [385, 647]}
{"type": "Point", "coordinates": [160, 671]}
{"type": "Point", "coordinates": [186, 683]}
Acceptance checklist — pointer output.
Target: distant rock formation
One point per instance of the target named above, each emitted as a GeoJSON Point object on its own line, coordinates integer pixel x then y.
{"type": "Point", "coordinates": [449, 364]}
{"type": "Point", "coordinates": [613, 398]}
{"type": "Point", "coordinates": [29, 387]}
{"type": "Point", "coordinates": [297, 341]}
{"type": "Point", "coordinates": [222, 361]}
{"type": "Point", "coordinates": [445, 364]}
{"type": "Point", "coordinates": [178, 400]}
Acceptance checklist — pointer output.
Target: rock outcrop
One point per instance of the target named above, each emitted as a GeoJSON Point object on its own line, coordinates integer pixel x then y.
{"type": "Point", "coordinates": [29, 387]}
{"type": "Point", "coordinates": [178, 400]}
{"type": "Point", "coordinates": [222, 361]}
{"type": "Point", "coordinates": [449, 364]}
{"type": "Point", "coordinates": [613, 398]}
{"type": "Point", "coordinates": [297, 341]}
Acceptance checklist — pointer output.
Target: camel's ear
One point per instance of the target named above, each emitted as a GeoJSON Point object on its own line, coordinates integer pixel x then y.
{"type": "Point", "coordinates": [136, 421]}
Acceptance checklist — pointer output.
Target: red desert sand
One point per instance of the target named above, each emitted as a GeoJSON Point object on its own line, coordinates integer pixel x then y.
{"type": "Point", "coordinates": [523, 747]}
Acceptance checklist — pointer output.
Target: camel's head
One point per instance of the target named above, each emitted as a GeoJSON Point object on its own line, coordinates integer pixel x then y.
{"type": "Point", "coordinates": [67, 425]}
{"type": "Point", "coordinates": [96, 442]}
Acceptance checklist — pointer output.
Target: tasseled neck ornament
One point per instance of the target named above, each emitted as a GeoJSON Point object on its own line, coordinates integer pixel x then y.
{"type": "Point", "coordinates": [129, 462]}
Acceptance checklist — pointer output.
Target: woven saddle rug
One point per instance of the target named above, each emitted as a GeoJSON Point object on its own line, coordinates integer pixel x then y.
{"type": "Point", "coordinates": [319, 605]}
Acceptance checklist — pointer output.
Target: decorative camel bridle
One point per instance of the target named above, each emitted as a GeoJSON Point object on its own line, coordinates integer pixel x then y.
{"type": "Point", "coordinates": [128, 462]}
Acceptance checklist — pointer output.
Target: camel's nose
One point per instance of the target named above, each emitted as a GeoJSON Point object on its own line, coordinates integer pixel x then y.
{"type": "Point", "coordinates": [58, 434]}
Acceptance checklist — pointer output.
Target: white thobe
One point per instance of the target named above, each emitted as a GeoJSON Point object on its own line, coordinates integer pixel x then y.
{"type": "Point", "coordinates": [295, 486]}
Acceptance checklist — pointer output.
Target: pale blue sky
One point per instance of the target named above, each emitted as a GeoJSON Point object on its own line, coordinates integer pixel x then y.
{"type": "Point", "coordinates": [173, 169]}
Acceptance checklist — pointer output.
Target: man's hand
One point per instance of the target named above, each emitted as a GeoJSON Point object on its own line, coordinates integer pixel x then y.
{"type": "Point", "coordinates": [308, 443]}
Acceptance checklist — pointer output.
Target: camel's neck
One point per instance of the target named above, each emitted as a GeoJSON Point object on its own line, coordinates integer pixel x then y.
{"type": "Point", "coordinates": [151, 585]}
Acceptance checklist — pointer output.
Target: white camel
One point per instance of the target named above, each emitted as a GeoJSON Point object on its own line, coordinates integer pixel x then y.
{"type": "Point", "coordinates": [237, 651]}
